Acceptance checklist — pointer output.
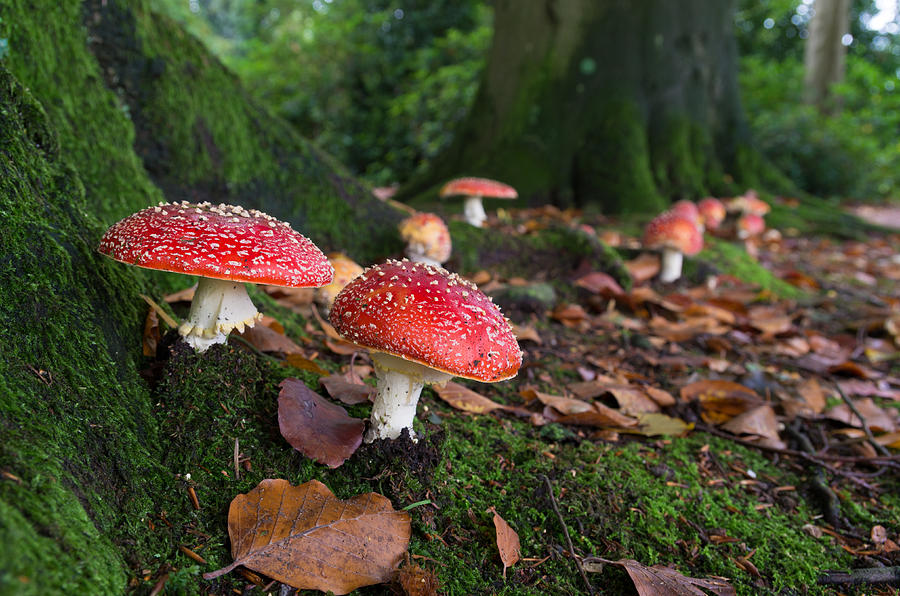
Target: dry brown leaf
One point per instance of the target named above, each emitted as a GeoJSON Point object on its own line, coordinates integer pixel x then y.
{"type": "Point", "coordinates": [868, 389]}
{"type": "Point", "coordinates": [720, 400]}
{"type": "Point", "coordinates": [266, 339]}
{"type": "Point", "coordinates": [770, 321]}
{"type": "Point", "coordinates": [812, 394]}
{"type": "Point", "coordinates": [877, 419]}
{"type": "Point", "coordinates": [681, 331]}
{"type": "Point", "coordinates": [601, 416]}
{"type": "Point", "coordinates": [632, 400]}
{"type": "Point", "coordinates": [418, 581]}
{"type": "Point", "coordinates": [568, 314]}
{"type": "Point", "coordinates": [507, 541]}
{"type": "Point", "coordinates": [643, 268]}
{"type": "Point", "coordinates": [654, 424]}
{"type": "Point", "coordinates": [152, 335]}
{"type": "Point", "coordinates": [347, 391]}
{"type": "Point", "coordinates": [660, 396]}
{"type": "Point", "coordinates": [463, 398]}
{"type": "Point", "coordinates": [759, 423]}
{"type": "Point", "coordinates": [564, 405]}
{"type": "Point", "coordinates": [601, 283]}
{"type": "Point", "coordinates": [527, 333]}
{"type": "Point", "coordinates": [319, 429]}
{"type": "Point", "coordinates": [307, 538]}
{"type": "Point", "coordinates": [665, 581]}
{"type": "Point", "coordinates": [304, 363]}
{"type": "Point", "coordinates": [185, 295]}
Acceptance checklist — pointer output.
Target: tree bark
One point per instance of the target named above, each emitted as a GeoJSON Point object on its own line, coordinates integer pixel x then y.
{"type": "Point", "coordinates": [621, 104]}
{"type": "Point", "coordinates": [825, 55]}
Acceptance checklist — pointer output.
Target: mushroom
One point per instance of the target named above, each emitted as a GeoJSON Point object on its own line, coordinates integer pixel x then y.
{"type": "Point", "coordinates": [749, 202]}
{"type": "Point", "coordinates": [345, 269]}
{"type": "Point", "coordinates": [427, 238]}
{"type": "Point", "coordinates": [687, 209]}
{"type": "Point", "coordinates": [226, 246]}
{"type": "Point", "coordinates": [474, 189]}
{"type": "Point", "coordinates": [750, 225]}
{"type": "Point", "coordinates": [677, 236]}
{"type": "Point", "coordinates": [421, 324]}
{"type": "Point", "coordinates": [712, 212]}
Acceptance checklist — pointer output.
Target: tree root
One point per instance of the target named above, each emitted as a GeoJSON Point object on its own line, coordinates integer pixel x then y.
{"type": "Point", "coordinates": [875, 575]}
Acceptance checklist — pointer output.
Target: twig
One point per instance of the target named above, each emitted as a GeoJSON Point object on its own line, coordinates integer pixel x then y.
{"type": "Point", "coordinates": [865, 426]}
{"type": "Point", "coordinates": [854, 577]}
{"type": "Point", "coordinates": [831, 505]}
{"type": "Point", "coordinates": [566, 533]}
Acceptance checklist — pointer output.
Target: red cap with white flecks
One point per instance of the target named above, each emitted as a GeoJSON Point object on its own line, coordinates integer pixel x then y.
{"type": "Point", "coordinates": [479, 187]}
{"type": "Point", "coordinates": [217, 241]}
{"type": "Point", "coordinates": [427, 315]}
{"type": "Point", "coordinates": [674, 231]}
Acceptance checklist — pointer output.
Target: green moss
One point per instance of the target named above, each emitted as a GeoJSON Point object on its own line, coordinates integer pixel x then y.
{"type": "Point", "coordinates": [732, 259]}
{"type": "Point", "coordinates": [674, 157]}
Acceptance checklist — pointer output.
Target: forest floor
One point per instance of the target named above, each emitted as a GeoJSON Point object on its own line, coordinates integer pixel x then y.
{"type": "Point", "coordinates": [706, 434]}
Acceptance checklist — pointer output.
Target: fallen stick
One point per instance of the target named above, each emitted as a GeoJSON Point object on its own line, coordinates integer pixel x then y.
{"type": "Point", "coordinates": [562, 522]}
{"type": "Point", "coordinates": [855, 577]}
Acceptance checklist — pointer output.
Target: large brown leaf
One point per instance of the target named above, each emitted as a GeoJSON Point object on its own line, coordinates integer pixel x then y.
{"type": "Point", "coordinates": [507, 541]}
{"type": "Point", "coordinates": [317, 428]}
{"type": "Point", "coordinates": [307, 538]}
{"type": "Point", "coordinates": [665, 581]}
{"type": "Point", "coordinates": [463, 398]}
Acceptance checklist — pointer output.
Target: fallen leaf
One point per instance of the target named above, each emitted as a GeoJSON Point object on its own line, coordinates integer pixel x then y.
{"type": "Point", "coordinates": [645, 267]}
{"type": "Point", "coordinates": [632, 400]}
{"type": "Point", "coordinates": [681, 331]}
{"type": "Point", "coordinates": [569, 314]}
{"type": "Point", "coordinates": [877, 419]}
{"type": "Point", "coordinates": [654, 424]}
{"type": "Point", "coordinates": [185, 295]}
{"type": "Point", "coordinates": [266, 339]}
{"type": "Point", "coordinates": [720, 400]}
{"type": "Point", "coordinates": [759, 423]}
{"type": "Point", "coordinates": [600, 416]}
{"type": "Point", "coordinates": [319, 429]}
{"type": "Point", "coordinates": [304, 363]}
{"type": "Point", "coordinates": [527, 333]}
{"type": "Point", "coordinates": [868, 389]}
{"type": "Point", "coordinates": [601, 283]}
{"type": "Point", "coordinates": [418, 581]}
{"type": "Point", "coordinates": [346, 391]}
{"type": "Point", "coordinates": [564, 405]}
{"type": "Point", "coordinates": [463, 398]}
{"type": "Point", "coordinates": [152, 336]}
{"type": "Point", "coordinates": [307, 538]}
{"type": "Point", "coordinates": [507, 541]}
{"type": "Point", "coordinates": [665, 581]}
{"type": "Point", "coordinates": [813, 395]}
{"type": "Point", "coordinates": [660, 396]}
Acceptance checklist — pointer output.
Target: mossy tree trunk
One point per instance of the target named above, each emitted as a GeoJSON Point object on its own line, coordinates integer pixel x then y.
{"type": "Point", "coordinates": [623, 104]}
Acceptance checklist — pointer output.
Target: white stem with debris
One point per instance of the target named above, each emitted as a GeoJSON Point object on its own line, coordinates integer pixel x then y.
{"type": "Point", "coordinates": [218, 307]}
{"type": "Point", "coordinates": [671, 265]}
{"type": "Point", "coordinates": [400, 384]}
{"type": "Point", "coordinates": [416, 253]}
{"type": "Point", "coordinates": [473, 210]}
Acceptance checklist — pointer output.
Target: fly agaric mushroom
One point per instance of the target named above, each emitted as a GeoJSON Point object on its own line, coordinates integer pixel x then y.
{"type": "Point", "coordinates": [225, 246]}
{"type": "Point", "coordinates": [345, 269]}
{"type": "Point", "coordinates": [474, 189]}
{"type": "Point", "coordinates": [687, 209]}
{"type": "Point", "coordinates": [421, 324]}
{"type": "Point", "coordinates": [712, 212]}
{"type": "Point", "coordinates": [677, 236]}
{"type": "Point", "coordinates": [750, 225]}
{"type": "Point", "coordinates": [749, 202]}
{"type": "Point", "coordinates": [427, 238]}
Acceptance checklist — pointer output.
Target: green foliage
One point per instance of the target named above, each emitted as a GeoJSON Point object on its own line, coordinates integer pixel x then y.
{"type": "Point", "coordinates": [848, 149]}
{"type": "Point", "coordinates": [379, 85]}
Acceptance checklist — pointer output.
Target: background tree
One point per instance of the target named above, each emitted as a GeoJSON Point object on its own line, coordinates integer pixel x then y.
{"type": "Point", "coordinates": [825, 52]}
{"type": "Point", "coordinates": [610, 103]}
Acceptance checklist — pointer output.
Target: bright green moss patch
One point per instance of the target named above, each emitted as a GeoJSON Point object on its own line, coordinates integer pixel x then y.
{"type": "Point", "coordinates": [733, 259]}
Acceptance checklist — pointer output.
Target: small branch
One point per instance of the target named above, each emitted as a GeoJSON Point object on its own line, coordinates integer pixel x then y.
{"type": "Point", "coordinates": [865, 426]}
{"type": "Point", "coordinates": [855, 577]}
{"type": "Point", "coordinates": [562, 522]}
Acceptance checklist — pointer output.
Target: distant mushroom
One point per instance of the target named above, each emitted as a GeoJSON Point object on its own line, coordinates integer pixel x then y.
{"type": "Point", "coordinates": [687, 209]}
{"type": "Point", "coordinates": [421, 324]}
{"type": "Point", "coordinates": [712, 212]}
{"type": "Point", "coordinates": [427, 238]}
{"type": "Point", "coordinates": [225, 246]}
{"type": "Point", "coordinates": [676, 236]}
{"type": "Point", "coordinates": [345, 269]}
{"type": "Point", "coordinates": [749, 202]}
{"type": "Point", "coordinates": [474, 189]}
{"type": "Point", "coordinates": [750, 225]}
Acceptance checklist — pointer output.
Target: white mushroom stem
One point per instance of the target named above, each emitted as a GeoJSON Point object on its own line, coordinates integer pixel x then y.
{"type": "Point", "coordinates": [218, 307]}
{"type": "Point", "coordinates": [671, 265]}
{"type": "Point", "coordinates": [417, 252]}
{"type": "Point", "coordinates": [400, 383]}
{"type": "Point", "coordinates": [473, 210]}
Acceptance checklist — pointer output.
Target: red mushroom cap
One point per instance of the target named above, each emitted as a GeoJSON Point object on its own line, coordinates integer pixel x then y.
{"type": "Point", "coordinates": [427, 315]}
{"type": "Point", "coordinates": [674, 231]}
{"type": "Point", "coordinates": [712, 212]}
{"type": "Point", "coordinates": [751, 224]}
{"type": "Point", "coordinates": [479, 187]}
{"type": "Point", "coordinates": [217, 241]}
{"type": "Point", "coordinates": [687, 209]}
{"type": "Point", "coordinates": [429, 232]}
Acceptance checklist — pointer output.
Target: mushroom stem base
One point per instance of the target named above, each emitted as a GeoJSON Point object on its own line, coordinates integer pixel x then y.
{"type": "Point", "coordinates": [473, 210]}
{"type": "Point", "coordinates": [671, 265]}
{"type": "Point", "coordinates": [218, 307]}
{"type": "Point", "coordinates": [400, 384]}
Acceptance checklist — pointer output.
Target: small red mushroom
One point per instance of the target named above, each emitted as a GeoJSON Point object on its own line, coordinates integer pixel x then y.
{"type": "Point", "coordinates": [676, 236]}
{"type": "Point", "coordinates": [687, 209]}
{"type": "Point", "coordinates": [712, 212]}
{"type": "Point", "coordinates": [750, 225]}
{"type": "Point", "coordinates": [427, 238]}
{"type": "Point", "coordinates": [749, 202]}
{"type": "Point", "coordinates": [421, 325]}
{"type": "Point", "coordinates": [474, 189]}
{"type": "Point", "coordinates": [225, 246]}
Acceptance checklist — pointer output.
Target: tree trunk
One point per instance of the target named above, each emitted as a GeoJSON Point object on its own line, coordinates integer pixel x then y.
{"type": "Point", "coordinates": [622, 104]}
{"type": "Point", "coordinates": [825, 55]}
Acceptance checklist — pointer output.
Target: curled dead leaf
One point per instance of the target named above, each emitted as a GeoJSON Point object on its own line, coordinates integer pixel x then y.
{"type": "Point", "coordinates": [665, 581]}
